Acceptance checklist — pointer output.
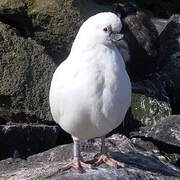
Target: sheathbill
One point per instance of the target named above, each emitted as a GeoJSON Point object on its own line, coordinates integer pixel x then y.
{"type": "Point", "coordinates": [90, 91]}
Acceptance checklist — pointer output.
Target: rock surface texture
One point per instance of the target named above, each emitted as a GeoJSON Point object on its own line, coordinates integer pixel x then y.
{"type": "Point", "coordinates": [34, 37]}
{"type": "Point", "coordinates": [25, 74]}
{"type": "Point", "coordinates": [139, 164]}
{"type": "Point", "coordinates": [26, 139]}
{"type": "Point", "coordinates": [165, 135]}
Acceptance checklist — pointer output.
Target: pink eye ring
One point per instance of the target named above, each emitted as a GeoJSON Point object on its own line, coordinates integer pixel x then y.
{"type": "Point", "coordinates": [105, 29]}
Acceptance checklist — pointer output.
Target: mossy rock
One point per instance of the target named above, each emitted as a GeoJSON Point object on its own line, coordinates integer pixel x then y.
{"type": "Point", "coordinates": [38, 36]}
{"type": "Point", "coordinates": [151, 99]}
{"type": "Point", "coordinates": [25, 74]}
{"type": "Point", "coordinates": [55, 24]}
{"type": "Point", "coordinates": [52, 23]}
{"type": "Point", "coordinates": [149, 110]}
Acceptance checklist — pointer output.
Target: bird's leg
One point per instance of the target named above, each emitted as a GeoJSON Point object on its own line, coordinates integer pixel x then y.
{"type": "Point", "coordinates": [104, 157]}
{"type": "Point", "coordinates": [76, 163]}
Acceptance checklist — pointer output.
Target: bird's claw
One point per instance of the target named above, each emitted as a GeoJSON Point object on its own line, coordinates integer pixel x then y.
{"type": "Point", "coordinates": [76, 164]}
{"type": "Point", "coordinates": [104, 158]}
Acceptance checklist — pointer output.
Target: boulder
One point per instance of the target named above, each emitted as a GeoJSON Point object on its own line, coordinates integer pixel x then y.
{"type": "Point", "coordinates": [23, 140]}
{"type": "Point", "coordinates": [139, 164]}
{"type": "Point", "coordinates": [170, 55]}
{"type": "Point", "coordinates": [25, 75]}
{"type": "Point", "coordinates": [165, 135]}
{"type": "Point", "coordinates": [55, 24]}
{"type": "Point", "coordinates": [52, 23]}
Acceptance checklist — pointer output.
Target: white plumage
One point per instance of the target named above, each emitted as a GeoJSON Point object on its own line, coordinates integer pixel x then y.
{"type": "Point", "coordinates": [90, 91]}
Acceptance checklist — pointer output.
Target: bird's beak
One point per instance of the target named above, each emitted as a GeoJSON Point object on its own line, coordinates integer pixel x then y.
{"type": "Point", "coordinates": [114, 36]}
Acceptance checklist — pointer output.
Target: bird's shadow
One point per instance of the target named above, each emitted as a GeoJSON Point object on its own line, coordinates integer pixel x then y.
{"type": "Point", "coordinates": [145, 162]}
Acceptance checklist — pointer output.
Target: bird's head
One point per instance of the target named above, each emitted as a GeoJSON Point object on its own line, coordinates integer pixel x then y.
{"type": "Point", "coordinates": [102, 28]}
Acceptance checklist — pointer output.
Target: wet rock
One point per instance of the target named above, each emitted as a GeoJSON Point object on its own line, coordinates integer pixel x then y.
{"type": "Point", "coordinates": [25, 75]}
{"type": "Point", "coordinates": [165, 135]}
{"type": "Point", "coordinates": [22, 140]}
{"type": "Point", "coordinates": [139, 164]}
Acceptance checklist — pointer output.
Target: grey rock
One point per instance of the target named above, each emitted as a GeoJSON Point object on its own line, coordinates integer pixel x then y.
{"type": "Point", "coordinates": [165, 134]}
{"type": "Point", "coordinates": [139, 164]}
{"type": "Point", "coordinates": [25, 75]}
{"type": "Point", "coordinates": [160, 24]}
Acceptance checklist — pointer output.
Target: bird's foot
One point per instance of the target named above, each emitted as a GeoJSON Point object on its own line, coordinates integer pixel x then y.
{"type": "Point", "coordinates": [76, 164]}
{"type": "Point", "coordinates": [104, 158]}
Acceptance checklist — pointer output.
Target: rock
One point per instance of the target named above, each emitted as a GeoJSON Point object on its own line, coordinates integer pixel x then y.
{"type": "Point", "coordinates": [139, 164]}
{"type": "Point", "coordinates": [165, 135]}
{"type": "Point", "coordinates": [169, 37]}
{"type": "Point", "coordinates": [55, 25]}
{"type": "Point", "coordinates": [23, 140]}
{"type": "Point", "coordinates": [172, 68]}
{"type": "Point", "coordinates": [151, 99]}
{"type": "Point", "coordinates": [141, 36]}
{"type": "Point", "coordinates": [25, 75]}
{"type": "Point", "coordinates": [170, 55]}
{"type": "Point", "coordinates": [52, 23]}
{"type": "Point", "coordinates": [160, 24]}
{"type": "Point", "coordinates": [14, 13]}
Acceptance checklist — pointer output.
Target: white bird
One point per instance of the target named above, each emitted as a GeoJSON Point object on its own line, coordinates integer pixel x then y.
{"type": "Point", "coordinates": [90, 91]}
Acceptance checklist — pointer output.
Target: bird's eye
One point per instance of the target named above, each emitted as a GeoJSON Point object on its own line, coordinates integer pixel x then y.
{"type": "Point", "coordinates": [105, 29]}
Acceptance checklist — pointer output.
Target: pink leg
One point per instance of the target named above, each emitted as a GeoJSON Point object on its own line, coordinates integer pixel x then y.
{"type": "Point", "coordinates": [104, 158]}
{"type": "Point", "coordinates": [76, 163]}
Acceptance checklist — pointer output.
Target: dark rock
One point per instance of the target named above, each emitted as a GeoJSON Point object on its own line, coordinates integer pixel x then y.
{"type": "Point", "coordinates": [14, 13]}
{"type": "Point", "coordinates": [142, 39]}
{"type": "Point", "coordinates": [170, 55]}
{"type": "Point", "coordinates": [169, 37]}
{"type": "Point", "coordinates": [139, 164]}
{"type": "Point", "coordinates": [165, 135]}
{"type": "Point", "coordinates": [21, 140]}
{"type": "Point", "coordinates": [25, 75]}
